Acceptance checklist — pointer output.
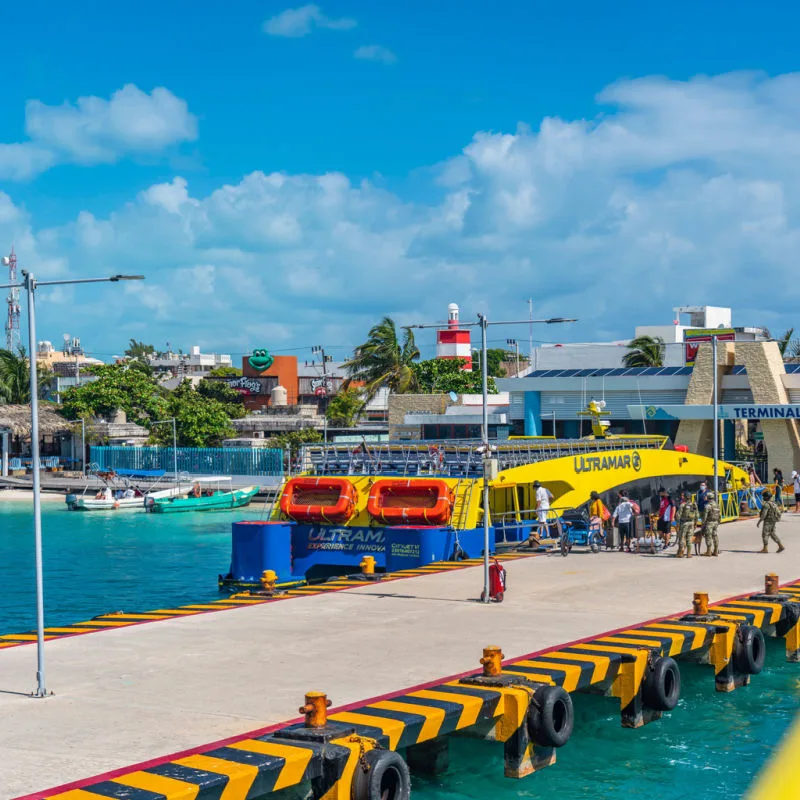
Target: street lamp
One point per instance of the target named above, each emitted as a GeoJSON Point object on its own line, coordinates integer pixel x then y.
{"type": "Point", "coordinates": [30, 284]}
{"type": "Point", "coordinates": [174, 442]}
{"type": "Point", "coordinates": [486, 449]}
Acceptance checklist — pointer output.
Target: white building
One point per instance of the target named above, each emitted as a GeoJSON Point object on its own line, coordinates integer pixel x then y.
{"type": "Point", "coordinates": [193, 364]}
{"type": "Point", "coordinates": [609, 355]}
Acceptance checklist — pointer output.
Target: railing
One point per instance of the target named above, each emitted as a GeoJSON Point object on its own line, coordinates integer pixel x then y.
{"type": "Point", "coordinates": [461, 459]}
{"type": "Point", "coordinates": [256, 461]}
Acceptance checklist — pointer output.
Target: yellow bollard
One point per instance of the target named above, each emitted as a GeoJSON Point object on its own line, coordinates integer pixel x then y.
{"type": "Point", "coordinates": [700, 604]}
{"type": "Point", "coordinates": [492, 660]}
{"type": "Point", "coordinates": [268, 578]}
{"type": "Point", "coordinates": [316, 709]}
{"type": "Point", "coordinates": [367, 565]}
{"type": "Point", "coordinates": [771, 583]}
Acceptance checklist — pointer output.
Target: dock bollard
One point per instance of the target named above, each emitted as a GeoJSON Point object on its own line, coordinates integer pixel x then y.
{"type": "Point", "coordinates": [771, 583]}
{"type": "Point", "coordinates": [367, 565]}
{"type": "Point", "coordinates": [316, 709]}
{"type": "Point", "coordinates": [700, 604]}
{"type": "Point", "coordinates": [492, 660]}
{"type": "Point", "coordinates": [268, 578]}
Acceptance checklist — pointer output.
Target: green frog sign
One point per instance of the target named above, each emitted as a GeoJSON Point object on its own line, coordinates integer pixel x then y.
{"type": "Point", "coordinates": [261, 360]}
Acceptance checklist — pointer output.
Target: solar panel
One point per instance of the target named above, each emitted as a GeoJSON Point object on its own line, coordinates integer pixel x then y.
{"type": "Point", "coordinates": [616, 372]}
{"type": "Point", "coordinates": [584, 373]}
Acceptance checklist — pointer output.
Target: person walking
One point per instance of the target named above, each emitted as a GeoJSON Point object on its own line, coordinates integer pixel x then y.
{"type": "Point", "coordinates": [687, 521]}
{"type": "Point", "coordinates": [770, 516]}
{"type": "Point", "coordinates": [666, 515]}
{"type": "Point", "coordinates": [777, 476]}
{"type": "Point", "coordinates": [796, 487]}
{"type": "Point", "coordinates": [597, 509]}
{"type": "Point", "coordinates": [623, 515]}
{"type": "Point", "coordinates": [710, 520]}
{"type": "Point", "coordinates": [543, 498]}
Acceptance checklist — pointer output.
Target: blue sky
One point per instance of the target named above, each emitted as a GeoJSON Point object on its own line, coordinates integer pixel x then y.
{"type": "Point", "coordinates": [285, 174]}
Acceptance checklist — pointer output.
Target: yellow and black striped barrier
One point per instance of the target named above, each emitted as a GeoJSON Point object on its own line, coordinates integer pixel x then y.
{"type": "Point", "coordinates": [240, 600]}
{"type": "Point", "coordinates": [524, 703]}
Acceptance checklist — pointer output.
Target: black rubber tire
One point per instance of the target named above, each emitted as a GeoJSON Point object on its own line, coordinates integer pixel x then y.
{"type": "Point", "coordinates": [661, 687]}
{"type": "Point", "coordinates": [564, 546]}
{"type": "Point", "coordinates": [749, 650]}
{"type": "Point", "coordinates": [388, 777]}
{"type": "Point", "coordinates": [551, 717]}
{"type": "Point", "coordinates": [499, 597]}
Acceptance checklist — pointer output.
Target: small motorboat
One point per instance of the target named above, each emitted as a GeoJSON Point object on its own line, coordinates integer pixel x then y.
{"type": "Point", "coordinates": [120, 491]}
{"type": "Point", "coordinates": [205, 494]}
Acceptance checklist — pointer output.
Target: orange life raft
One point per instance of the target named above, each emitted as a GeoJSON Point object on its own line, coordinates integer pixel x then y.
{"type": "Point", "coordinates": [319, 499]}
{"type": "Point", "coordinates": [408, 502]}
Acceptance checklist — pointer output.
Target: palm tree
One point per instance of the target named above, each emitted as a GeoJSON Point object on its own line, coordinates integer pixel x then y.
{"type": "Point", "coordinates": [645, 351]}
{"type": "Point", "coordinates": [785, 344]}
{"type": "Point", "coordinates": [384, 361]}
{"type": "Point", "coordinates": [15, 377]}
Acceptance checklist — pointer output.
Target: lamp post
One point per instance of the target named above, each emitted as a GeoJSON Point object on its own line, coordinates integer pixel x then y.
{"type": "Point", "coordinates": [30, 284]}
{"type": "Point", "coordinates": [174, 442]}
{"type": "Point", "coordinates": [483, 323]}
{"type": "Point", "coordinates": [716, 418]}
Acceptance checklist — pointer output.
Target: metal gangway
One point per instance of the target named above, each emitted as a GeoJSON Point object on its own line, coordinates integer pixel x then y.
{"type": "Point", "coordinates": [451, 458]}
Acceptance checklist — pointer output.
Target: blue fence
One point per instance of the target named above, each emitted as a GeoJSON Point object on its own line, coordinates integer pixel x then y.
{"type": "Point", "coordinates": [261, 461]}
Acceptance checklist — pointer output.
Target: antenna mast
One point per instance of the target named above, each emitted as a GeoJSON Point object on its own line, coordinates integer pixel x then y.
{"type": "Point", "coordinates": [12, 320]}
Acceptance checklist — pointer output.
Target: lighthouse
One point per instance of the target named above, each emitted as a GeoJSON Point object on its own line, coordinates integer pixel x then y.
{"type": "Point", "coordinates": [454, 342]}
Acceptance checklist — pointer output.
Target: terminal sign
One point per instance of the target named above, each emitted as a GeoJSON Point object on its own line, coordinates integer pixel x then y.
{"type": "Point", "coordinates": [726, 411]}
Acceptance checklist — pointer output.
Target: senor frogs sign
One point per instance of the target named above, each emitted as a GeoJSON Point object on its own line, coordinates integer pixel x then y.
{"type": "Point", "coordinates": [600, 463]}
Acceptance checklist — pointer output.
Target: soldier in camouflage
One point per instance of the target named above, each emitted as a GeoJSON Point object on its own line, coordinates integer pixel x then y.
{"type": "Point", "coordinates": [711, 518]}
{"type": "Point", "coordinates": [770, 516]}
{"type": "Point", "coordinates": [687, 521]}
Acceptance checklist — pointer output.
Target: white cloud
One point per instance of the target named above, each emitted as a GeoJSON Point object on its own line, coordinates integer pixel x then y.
{"type": "Point", "coordinates": [298, 22]}
{"type": "Point", "coordinates": [375, 52]}
{"type": "Point", "coordinates": [97, 131]}
{"type": "Point", "coordinates": [678, 192]}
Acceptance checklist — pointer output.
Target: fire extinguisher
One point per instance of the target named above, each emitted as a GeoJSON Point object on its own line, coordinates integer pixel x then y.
{"type": "Point", "coordinates": [497, 582]}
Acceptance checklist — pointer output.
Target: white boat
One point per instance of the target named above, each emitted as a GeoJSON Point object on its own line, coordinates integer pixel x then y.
{"type": "Point", "coordinates": [119, 491]}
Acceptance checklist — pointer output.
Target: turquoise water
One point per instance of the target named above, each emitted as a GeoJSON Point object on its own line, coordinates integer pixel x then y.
{"type": "Point", "coordinates": [710, 747]}
{"type": "Point", "coordinates": [97, 562]}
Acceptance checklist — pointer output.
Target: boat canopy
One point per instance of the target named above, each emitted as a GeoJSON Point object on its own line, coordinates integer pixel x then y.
{"type": "Point", "coordinates": [141, 473]}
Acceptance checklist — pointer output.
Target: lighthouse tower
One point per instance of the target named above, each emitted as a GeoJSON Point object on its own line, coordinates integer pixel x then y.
{"type": "Point", "coordinates": [454, 342]}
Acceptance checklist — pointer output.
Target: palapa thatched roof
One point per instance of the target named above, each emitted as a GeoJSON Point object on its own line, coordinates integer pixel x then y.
{"type": "Point", "coordinates": [18, 420]}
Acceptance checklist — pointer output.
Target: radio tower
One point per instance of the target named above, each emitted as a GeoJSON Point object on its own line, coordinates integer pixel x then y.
{"type": "Point", "coordinates": [12, 321]}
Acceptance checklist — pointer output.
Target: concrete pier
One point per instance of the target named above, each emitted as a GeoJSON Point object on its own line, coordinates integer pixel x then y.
{"type": "Point", "coordinates": [140, 693]}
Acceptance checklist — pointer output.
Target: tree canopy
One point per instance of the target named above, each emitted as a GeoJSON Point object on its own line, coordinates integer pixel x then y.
{"type": "Point", "coordinates": [225, 372]}
{"type": "Point", "coordinates": [200, 421]}
{"type": "Point", "coordinates": [219, 391]}
{"type": "Point", "coordinates": [443, 375]}
{"type": "Point", "coordinates": [495, 356]}
{"type": "Point", "coordinates": [139, 350]}
{"type": "Point", "coordinates": [15, 377]}
{"type": "Point", "coordinates": [645, 351]}
{"type": "Point", "coordinates": [344, 407]}
{"type": "Point", "coordinates": [384, 360]}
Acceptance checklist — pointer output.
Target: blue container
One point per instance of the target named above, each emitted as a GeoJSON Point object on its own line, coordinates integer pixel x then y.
{"type": "Point", "coordinates": [257, 546]}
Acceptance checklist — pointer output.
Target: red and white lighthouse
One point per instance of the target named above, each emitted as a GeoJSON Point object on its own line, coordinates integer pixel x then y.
{"type": "Point", "coordinates": [454, 342]}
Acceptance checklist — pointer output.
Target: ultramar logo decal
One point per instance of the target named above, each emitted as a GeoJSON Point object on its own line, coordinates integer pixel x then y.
{"type": "Point", "coordinates": [600, 463]}
{"type": "Point", "coordinates": [354, 540]}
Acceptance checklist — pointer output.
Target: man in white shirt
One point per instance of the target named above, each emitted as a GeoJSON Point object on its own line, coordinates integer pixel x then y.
{"type": "Point", "coordinates": [623, 514]}
{"type": "Point", "coordinates": [796, 482]}
{"type": "Point", "coordinates": [543, 498]}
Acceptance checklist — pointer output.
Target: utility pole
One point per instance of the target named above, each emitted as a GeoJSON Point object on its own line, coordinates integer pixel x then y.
{"type": "Point", "coordinates": [320, 351]}
{"type": "Point", "coordinates": [515, 344]}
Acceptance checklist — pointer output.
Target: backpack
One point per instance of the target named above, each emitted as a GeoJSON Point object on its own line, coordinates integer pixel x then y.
{"type": "Point", "coordinates": [773, 512]}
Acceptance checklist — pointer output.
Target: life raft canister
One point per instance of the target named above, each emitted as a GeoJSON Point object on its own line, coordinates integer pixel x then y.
{"type": "Point", "coordinates": [322, 499]}
{"type": "Point", "coordinates": [423, 501]}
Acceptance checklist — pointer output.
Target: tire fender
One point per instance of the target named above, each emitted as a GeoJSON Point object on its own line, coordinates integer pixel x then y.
{"type": "Point", "coordinates": [661, 687]}
{"type": "Point", "coordinates": [387, 777]}
{"type": "Point", "coordinates": [551, 716]}
{"type": "Point", "coordinates": [749, 650]}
